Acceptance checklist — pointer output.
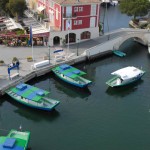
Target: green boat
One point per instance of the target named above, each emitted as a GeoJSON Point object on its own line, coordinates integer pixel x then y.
{"type": "Point", "coordinates": [15, 140]}
{"type": "Point", "coordinates": [71, 75]}
{"type": "Point", "coordinates": [32, 96]}
{"type": "Point", "coordinates": [119, 53]}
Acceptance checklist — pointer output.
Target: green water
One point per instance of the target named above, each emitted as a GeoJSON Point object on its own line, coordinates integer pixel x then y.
{"type": "Point", "coordinates": [92, 119]}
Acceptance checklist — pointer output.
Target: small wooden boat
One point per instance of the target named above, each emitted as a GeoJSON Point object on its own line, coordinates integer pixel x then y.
{"type": "Point", "coordinates": [119, 53]}
{"type": "Point", "coordinates": [125, 76]}
{"type": "Point", "coordinates": [15, 140]}
{"type": "Point", "coordinates": [32, 96]}
{"type": "Point", "coordinates": [71, 75]}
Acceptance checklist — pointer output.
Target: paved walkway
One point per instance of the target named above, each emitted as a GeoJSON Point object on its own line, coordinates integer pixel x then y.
{"type": "Point", "coordinates": [7, 54]}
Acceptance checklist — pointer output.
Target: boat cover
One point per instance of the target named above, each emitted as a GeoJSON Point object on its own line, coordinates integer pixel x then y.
{"type": "Point", "coordinates": [14, 148]}
{"type": "Point", "coordinates": [64, 67]}
{"type": "Point", "coordinates": [127, 72]}
{"type": "Point", "coordinates": [69, 71]}
{"type": "Point", "coordinates": [9, 143]}
{"type": "Point", "coordinates": [30, 92]}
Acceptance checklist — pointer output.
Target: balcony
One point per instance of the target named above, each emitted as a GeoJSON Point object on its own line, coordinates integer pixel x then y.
{"type": "Point", "coordinates": [70, 16]}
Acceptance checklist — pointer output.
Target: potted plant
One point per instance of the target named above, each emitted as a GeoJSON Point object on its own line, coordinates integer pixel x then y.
{"type": "Point", "coordinates": [29, 59]}
{"type": "Point", "coordinates": [64, 42]}
{"type": "Point", "coordinates": [1, 62]}
{"type": "Point", "coordinates": [15, 60]}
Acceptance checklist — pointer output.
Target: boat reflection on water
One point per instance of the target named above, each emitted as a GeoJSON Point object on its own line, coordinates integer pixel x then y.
{"type": "Point", "coordinates": [71, 90]}
{"type": "Point", "coordinates": [124, 90]}
{"type": "Point", "coordinates": [60, 85]}
{"type": "Point", "coordinates": [39, 115]}
{"type": "Point", "coordinates": [33, 114]}
{"type": "Point", "coordinates": [2, 100]}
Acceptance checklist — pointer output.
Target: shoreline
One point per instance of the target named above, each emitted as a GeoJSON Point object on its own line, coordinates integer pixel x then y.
{"type": "Point", "coordinates": [89, 50]}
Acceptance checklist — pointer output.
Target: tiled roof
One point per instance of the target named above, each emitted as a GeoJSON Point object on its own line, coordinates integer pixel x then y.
{"type": "Point", "coordinates": [68, 2]}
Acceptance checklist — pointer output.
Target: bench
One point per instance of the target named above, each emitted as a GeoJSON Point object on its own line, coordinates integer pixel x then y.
{"type": "Point", "coordinates": [14, 75]}
{"type": "Point", "coordinates": [40, 64]}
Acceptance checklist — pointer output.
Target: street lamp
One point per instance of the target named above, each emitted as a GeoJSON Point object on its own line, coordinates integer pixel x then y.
{"type": "Point", "coordinates": [49, 52]}
{"type": "Point", "coordinates": [77, 46]}
{"type": "Point", "coordinates": [107, 21]}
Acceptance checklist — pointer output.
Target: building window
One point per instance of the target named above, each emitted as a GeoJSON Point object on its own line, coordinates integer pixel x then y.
{"type": "Point", "coordinates": [80, 9]}
{"type": "Point", "coordinates": [68, 11]}
{"type": "Point", "coordinates": [79, 22]}
{"type": "Point", "coordinates": [75, 9]}
{"type": "Point", "coordinates": [85, 35]}
{"type": "Point", "coordinates": [57, 13]}
{"type": "Point", "coordinates": [93, 10]}
{"type": "Point", "coordinates": [51, 4]}
{"type": "Point", "coordinates": [75, 22]}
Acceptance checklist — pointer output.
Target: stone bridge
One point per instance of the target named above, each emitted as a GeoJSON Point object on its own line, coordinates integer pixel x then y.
{"type": "Point", "coordinates": [142, 37]}
{"type": "Point", "coordinates": [139, 35]}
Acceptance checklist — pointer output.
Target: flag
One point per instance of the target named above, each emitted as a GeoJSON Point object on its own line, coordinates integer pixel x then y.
{"type": "Point", "coordinates": [30, 39]}
{"type": "Point", "coordinates": [68, 25]}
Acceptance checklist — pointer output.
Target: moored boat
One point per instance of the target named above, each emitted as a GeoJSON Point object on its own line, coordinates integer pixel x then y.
{"type": "Point", "coordinates": [32, 96]}
{"type": "Point", "coordinates": [149, 48]}
{"type": "Point", "coordinates": [15, 140]}
{"type": "Point", "coordinates": [71, 75]}
{"type": "Point", "coordinates": [125, 76]}
{"type": "Point", "coordinates": [119, 53]}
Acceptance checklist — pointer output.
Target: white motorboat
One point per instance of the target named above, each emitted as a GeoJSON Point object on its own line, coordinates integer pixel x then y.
{"type": "Point", "coordinates": [125, 76]}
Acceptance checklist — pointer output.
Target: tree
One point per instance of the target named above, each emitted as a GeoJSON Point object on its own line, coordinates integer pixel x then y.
{"type": "Point", "coordinates": [3, 5]}
{"type": "Point", "coordinates": [135, 7]}
{"type": "Point", "coordinates": [17, 7]}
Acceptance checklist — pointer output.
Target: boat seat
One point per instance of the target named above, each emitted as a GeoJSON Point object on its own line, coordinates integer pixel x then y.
{"type": "Point", "coordinates": [14, 75]}
{"type": "Point", "coordinates": [21, 87]}
{"type": "Point", "coordinates": [40, 93]}
{"type": "Point", "coordinates": [118, 81]}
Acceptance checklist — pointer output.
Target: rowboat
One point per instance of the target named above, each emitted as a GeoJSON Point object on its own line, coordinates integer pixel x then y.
{"type": "Point", "coordinates": [125, 76]}
{"type": "Point", "coordinates": [71, 75]}
{"type": "Point", "coordinates": [32, 96]}
{"type": "Point", "coordinates": [15, 140]}
{"type": "Point", "coordinates": [119, 53]}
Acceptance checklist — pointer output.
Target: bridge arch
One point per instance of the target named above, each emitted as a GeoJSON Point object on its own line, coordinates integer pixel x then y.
{"type": "Point", "coordinates": [137, 37]}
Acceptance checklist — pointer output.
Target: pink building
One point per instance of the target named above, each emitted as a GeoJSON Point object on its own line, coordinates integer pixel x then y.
{"type": "Point", "coordinates": [79, 18]}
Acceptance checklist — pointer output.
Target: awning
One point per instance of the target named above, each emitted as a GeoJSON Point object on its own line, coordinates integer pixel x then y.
{"type": "Point", "coordinates": [46, 34]}
{"type": "Point", "coordinates": [12, 25]}
{"type": "Point", "coordinates": [41, 8]}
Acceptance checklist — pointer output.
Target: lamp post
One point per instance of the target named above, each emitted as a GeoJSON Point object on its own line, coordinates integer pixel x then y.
{"type": "Point", "coordinates": [77, 46]}
{"type": "Point", "coordinates": [49, 53]}
{"type": "Point", "coordinates": [107, 21]}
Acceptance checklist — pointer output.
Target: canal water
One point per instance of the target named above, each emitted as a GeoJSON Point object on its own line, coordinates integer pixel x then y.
{"type": "Point", "coordinates": [91, 119]}
{"type": "Point", "coordinates": [112, 19]}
